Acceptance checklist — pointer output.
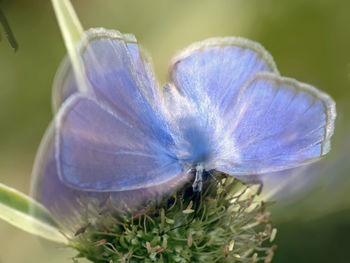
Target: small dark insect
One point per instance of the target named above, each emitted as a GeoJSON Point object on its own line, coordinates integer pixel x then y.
{"type": "Point", "coordinates": [82, 230]}
{"type": "Point", "coordinates": [8, 32]}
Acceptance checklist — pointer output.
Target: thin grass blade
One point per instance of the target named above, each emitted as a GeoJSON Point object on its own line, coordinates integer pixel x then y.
{"type": "Point", "coordinates": [72, 32]}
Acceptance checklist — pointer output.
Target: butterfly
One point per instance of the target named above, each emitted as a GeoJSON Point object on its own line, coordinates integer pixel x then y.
{"type": "Point", "coordinates": [226, 108]}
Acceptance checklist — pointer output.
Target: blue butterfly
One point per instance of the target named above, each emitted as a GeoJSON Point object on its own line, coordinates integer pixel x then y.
{"type": "Point", "coordinates": [226, 108]}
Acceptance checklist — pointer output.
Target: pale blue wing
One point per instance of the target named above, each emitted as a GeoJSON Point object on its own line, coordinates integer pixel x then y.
{"type": "Point", "coordinates": [99, 149]}
{"type": "Point", "coordinates": [116, 74]}
{"type": "Point", "coordinates": [64, 84]}
{"type": "Point", "coordinates": [131, 144]}
{"type": "Point", "coordinates": [215, 70]}
{"type": "Point", "coordinates": [106, 53]}
{"type": "Point", "coordinates": [278, 123]}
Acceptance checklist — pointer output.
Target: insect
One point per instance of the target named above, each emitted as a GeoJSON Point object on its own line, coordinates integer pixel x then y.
{"type": "Point", "coordinates": [226, 108]}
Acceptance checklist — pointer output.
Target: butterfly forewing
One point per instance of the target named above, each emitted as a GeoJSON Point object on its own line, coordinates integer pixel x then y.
{"type": "Point", "coordinates": [216, 69]}
{"type": "Point", "coordinates": [101, 50]}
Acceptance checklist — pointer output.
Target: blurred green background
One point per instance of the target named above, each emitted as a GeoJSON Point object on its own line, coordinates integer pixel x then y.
{"type": "Point", "coordinates": [309, 39]}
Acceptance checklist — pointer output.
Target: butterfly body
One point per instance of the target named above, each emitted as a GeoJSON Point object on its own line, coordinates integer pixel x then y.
{"type": "Point", "coordinates": [198, 181]}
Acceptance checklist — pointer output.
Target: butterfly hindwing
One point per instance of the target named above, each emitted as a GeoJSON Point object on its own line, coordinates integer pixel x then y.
{"type": "Point", "coordinates": [98, 150]}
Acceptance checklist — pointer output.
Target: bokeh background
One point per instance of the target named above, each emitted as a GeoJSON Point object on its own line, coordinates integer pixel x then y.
{"type": "Point", "coordinates": [309, 39]}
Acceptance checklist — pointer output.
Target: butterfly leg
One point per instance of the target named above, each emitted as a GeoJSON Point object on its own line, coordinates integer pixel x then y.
{"type": "Point", "coordinates": [198, 181]}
